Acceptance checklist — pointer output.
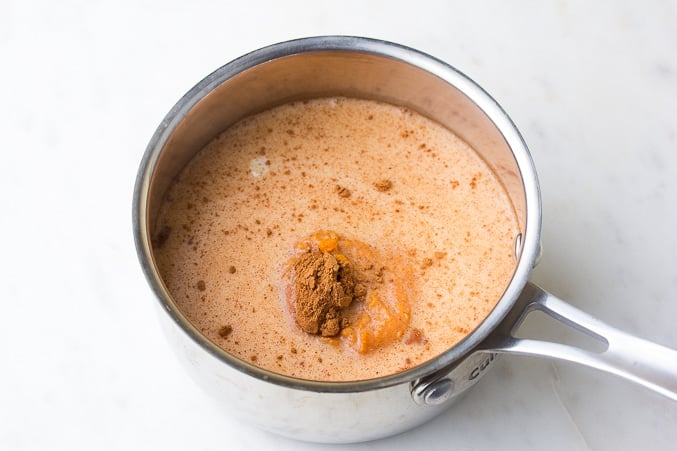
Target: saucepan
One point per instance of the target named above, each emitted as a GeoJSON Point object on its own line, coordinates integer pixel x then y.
{"type": "Point", "coordinates": [368, 409]}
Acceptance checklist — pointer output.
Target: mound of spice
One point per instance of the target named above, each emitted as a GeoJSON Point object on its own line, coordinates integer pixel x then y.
{"type": "Point", "coordinates": [322, 286]}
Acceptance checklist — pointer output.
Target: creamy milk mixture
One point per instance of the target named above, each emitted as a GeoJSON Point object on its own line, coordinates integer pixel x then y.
{"type": "Point", "coordinates": [426, 222]}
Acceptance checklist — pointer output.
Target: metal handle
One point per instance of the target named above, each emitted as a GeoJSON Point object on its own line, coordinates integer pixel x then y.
{"type": "Point", "coordinates": [641, 361]}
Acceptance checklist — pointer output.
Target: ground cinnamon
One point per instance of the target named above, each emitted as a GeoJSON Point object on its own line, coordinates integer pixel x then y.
{"type": "Point", "coordinates": [322, 287]}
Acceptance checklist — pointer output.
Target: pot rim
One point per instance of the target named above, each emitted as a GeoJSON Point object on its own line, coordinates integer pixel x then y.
{"type": "Point", "coordinates": [529, 242]}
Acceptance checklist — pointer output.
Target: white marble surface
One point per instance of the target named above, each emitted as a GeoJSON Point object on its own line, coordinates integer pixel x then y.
{"type": "Point", "coordinates": [592, 86]}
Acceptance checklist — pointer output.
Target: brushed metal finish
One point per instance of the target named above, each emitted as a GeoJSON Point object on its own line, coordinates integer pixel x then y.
{"type": "Point", "coordinates": [649, 364]}
{"type": "Point", "coordinates": [307, 68]}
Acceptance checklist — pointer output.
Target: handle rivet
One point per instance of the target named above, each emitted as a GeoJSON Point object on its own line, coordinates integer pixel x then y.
{"type": "Point", "coordinates": [438, 392]}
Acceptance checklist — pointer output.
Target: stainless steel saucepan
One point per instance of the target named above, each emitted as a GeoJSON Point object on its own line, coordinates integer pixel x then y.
{"type": "Point", "coordinates": [369, 409]}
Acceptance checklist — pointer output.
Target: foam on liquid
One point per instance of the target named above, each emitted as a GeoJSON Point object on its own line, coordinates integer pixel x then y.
{"type": "Point", "coordinates": [232, 217]}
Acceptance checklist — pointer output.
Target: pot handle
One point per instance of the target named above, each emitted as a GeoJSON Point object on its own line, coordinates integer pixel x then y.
{"type": "Point", "coordinates": [643, 362]}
